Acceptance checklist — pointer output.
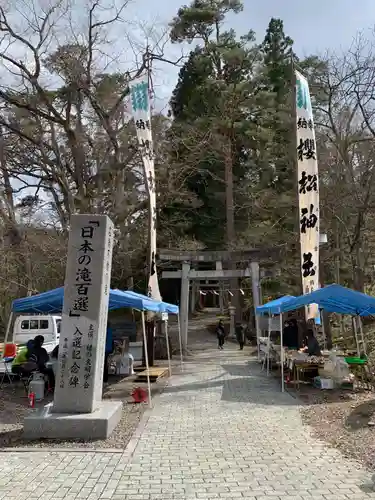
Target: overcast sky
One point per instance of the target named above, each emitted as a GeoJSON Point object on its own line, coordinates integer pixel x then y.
{"type": "Point", "coordinates": [314, 26]}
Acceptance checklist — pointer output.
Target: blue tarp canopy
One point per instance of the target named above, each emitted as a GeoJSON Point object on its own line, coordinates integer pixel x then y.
{"type": "Point", "coordinates": [164, 306]}
{"type": "Point", "coordinates": [52, 301]}
{"type": "Point", "coordinates": [274, 306]}
{"type": "Point", "coordinates": [334, 298]}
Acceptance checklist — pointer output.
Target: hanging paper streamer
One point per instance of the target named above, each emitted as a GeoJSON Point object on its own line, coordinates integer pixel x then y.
{"type": "Point", "coordinates": [141, 112]}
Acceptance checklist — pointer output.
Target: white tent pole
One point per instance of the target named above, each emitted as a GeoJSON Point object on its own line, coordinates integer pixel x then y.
{"type": "Point", "coordinates": [169, 354]}
{"type": "Point", "coordinates": [7, 333]}
{"type": "Point", "coordinates": [269, 344]}
{"type": "Point", "coordinates": [354, 322]}
{"type": "Point", "coordinates": [362, 336]}
{"type": "Point", "coordinates": [146, 358]}
{"type": "Point", "coordinates": [180, 340]}
{"type": "Point", "coordinates": [281, 352]}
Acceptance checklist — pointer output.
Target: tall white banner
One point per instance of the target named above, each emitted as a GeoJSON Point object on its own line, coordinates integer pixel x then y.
{"type": "Point", "coordinates": [308, 192]}
{"type": "Point", "coordinates": [141, 112]}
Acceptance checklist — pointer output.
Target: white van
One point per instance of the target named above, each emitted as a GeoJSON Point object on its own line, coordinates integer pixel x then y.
{"type": "Point", "coordinates": [27, 327]}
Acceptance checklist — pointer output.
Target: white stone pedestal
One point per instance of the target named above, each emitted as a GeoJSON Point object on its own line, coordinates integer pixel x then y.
{"type": "Point", "coordinates": [45, 424]}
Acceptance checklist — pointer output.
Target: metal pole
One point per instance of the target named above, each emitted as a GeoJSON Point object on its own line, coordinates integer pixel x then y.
{"type": "Point", "coordinates": [354, 322]}
{"type": "Point", "coordinates": [168, 353]}
{"type": "Point", "coordinates": [269, 344]}
{"type": "Point", "coordinates": [146, 359]}
{"type": "Point", "coordinates": [362, 335]}
{"type": "Point", "coordinates": [281, 353]}
{"type": "Point", "coordinates": [323, 329]}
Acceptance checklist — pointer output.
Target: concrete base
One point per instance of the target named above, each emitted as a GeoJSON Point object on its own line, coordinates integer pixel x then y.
{"type": "Point", "coordinates": [97, 425]}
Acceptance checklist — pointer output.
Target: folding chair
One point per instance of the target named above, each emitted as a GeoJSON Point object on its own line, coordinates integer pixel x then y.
{"type": "Point", "coordinates": [10, 352]}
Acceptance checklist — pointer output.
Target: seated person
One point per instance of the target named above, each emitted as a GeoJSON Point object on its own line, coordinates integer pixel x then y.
{"type": "Point", "coordinates": [290, 334]}
{"type": "Point", "coordinates": [38, 355]}
{"type": "Point", "coordinates": [312, 347]}
{"type": "Point", "coordinates": [19, 364]}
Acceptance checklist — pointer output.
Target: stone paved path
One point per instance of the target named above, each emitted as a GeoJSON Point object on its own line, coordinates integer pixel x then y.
{"type": "Point", "coordinates": [220, 430]}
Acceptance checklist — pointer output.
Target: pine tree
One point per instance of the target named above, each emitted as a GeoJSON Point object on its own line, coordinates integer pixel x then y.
{"type": "Point", "coordinates": [277, 59]}
{"type": "Point", "coordinates": [222, 119]}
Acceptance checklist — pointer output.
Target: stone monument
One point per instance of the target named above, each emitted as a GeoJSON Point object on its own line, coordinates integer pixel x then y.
{"type": "Point", "coordinates": [78, 410]}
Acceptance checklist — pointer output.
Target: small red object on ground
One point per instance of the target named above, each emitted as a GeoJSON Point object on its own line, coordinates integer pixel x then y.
{"type": "Point", "coordinates": [32, 399]}
{"type": "Point", "coordinates": [139, 395]}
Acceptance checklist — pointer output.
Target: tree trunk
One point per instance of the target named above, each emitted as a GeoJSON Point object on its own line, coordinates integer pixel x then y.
{"type": "Point", "coordinates": [229, 196]}
{"type": "Point", "coordinates": [325, 315]}
{"type": "Point", "coordinates": [357, 270]}
{"type": "Point", "coordinates": [230, 228]}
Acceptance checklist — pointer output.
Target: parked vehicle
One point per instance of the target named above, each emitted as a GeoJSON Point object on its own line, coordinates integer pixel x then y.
{"type": "Point", "coordinates": [26, 327]}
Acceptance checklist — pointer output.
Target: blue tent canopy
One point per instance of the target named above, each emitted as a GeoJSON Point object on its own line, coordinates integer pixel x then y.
{"type": "Point", "coordinates": [52, 301]}
{"type": "Point", "coordinates": [274, 306]}
{"type": "Point", "coordinates": [165, 307]}
{"type": "Point", "coordinates": [334, 298]}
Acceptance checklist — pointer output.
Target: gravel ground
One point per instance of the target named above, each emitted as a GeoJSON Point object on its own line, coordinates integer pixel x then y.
{"type": "Point", "coordinates": [14, 408]}
{"type": "Point", "coordinates": [344, 419]}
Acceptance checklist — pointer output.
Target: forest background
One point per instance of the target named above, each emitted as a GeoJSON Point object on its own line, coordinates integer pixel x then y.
{"type": "Point", "coordinates": [224, 148]}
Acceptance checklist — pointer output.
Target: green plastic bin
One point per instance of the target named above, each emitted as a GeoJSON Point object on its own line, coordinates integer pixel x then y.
{"type": "Point", "coordinates": [356, 361]}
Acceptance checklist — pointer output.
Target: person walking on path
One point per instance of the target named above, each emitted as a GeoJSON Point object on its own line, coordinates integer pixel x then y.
{"type": "Point", "coordinates": [220, 332]}
{"type": "Point", "coordinates": [240, 334]}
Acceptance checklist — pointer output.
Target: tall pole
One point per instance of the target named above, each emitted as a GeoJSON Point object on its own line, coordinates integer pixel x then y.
{"type": "Point", "coordinates": [354, 322]}
{"type": "Point", "coordinates": [281, 352]}
{"type": "Point", "coordinates": [150, 324]}
{"type": "Point", "coordinates": [254, 266]}
{"type": "Point", "coordinates": [184, 304]}
{"type": "Point", "coordinates": [293, 149]}
{"type": "Point", "coordinates": [146, 359]}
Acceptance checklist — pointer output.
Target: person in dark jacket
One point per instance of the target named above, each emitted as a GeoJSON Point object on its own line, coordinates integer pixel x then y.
{"type": "Point", "coordinates": [38, 355]}
{"type": "Point", "coordinates": [240, 335]}
{"type": "Point", "coordinates": [220, 332]}
{"type": "Point", "coordinates": [290, 334]}
{"type": "Point", "coordinates": [311, 345]}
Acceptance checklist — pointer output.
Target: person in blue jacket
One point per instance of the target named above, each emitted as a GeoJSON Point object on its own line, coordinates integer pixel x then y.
{"type": "Point", "coordinates": [108, 350]}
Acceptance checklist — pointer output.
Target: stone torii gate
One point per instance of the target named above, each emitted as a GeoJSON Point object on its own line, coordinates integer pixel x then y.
{"type": "Point", "coordinates": [187, 274]}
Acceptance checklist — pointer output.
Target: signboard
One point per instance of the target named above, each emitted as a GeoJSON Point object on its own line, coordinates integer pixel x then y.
{"type": "Point", "coordinates": [308, 192]}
